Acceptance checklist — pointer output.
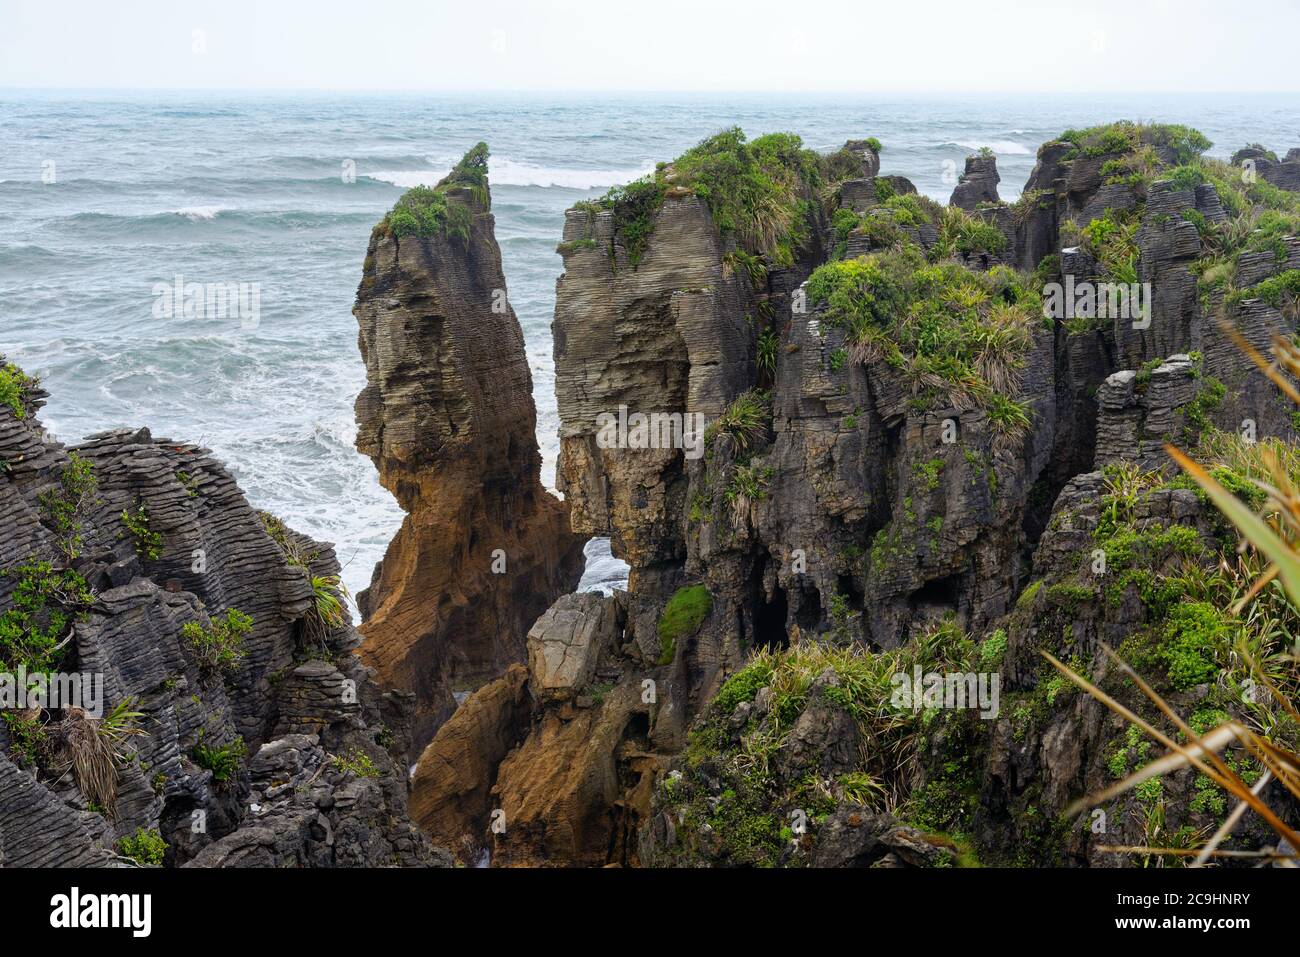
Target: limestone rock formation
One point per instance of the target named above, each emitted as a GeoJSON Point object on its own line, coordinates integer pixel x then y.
{"type": "Point", "coordinates": [260, 737]}
{"type": "Point", "coordinates": [555, 765]}
{"type": "Point", "coordinates": [451, 789]}
{"type": "Point", "coordinates": [447, 415]}
{"type": "Point", "coordinates": [846, 498]}
{"type": "Point", "coordinates": [978, 184]}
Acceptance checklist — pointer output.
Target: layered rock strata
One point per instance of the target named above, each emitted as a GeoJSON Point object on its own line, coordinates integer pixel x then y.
{"type": "Point", "coordinates": [864, 512]}
{"type": "Point", "coordinates": [447, 415]}
{"type": "Point", "coordinates": [123, 559]}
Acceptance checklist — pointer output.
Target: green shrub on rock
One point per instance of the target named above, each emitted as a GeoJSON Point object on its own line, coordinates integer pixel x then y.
{"type": "Point", "coordinates": [145, 847]}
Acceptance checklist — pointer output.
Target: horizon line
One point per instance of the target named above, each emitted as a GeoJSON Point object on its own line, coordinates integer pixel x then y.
{"type": "Point", "coordinates": [643, 91]}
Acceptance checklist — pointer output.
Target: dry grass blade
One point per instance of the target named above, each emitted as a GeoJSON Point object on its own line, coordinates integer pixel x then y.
{"type": "Point", "coordinates": [1132, 718]}
{"type": "Point", "coordinates": [1268, 368]}
{"type": "Point", "coordinates": [94, 749]}
{"type": "Point", "coordinates": [1260, 584]}
{"type": "Point", "coordinates": [1248, 523]}
{"type": "Point", "coordinates": [1216, 740]}
{"type": "Point", "coordinates": [1273, 689]}
{"type": "Point", "coordinates": [94, 763]}
{"type": "Point", "coordinates": [1280, 764]}
{"type": "Point", "coordinates": [1229, 822]}
{"type": "Point", "coordinates": [1168, 712]}
{"type": "Point", "coordinates": [1231, 782]}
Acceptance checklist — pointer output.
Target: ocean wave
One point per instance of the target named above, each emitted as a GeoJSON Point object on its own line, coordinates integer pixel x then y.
{"type": "Point", "coordinates": [604, 573]}
{"type": "Point", "coordinates": [1001, 147]}
{"type": "Point", "coordinates": [200, 212]}
{"type": "Point", "coordinates": [506, 172]}
{"type": "Point", "coordinates": [205, 217]}
{"type": "Point", "coordinates": [27, 254]}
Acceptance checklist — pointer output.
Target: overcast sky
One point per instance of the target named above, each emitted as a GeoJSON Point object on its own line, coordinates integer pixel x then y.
{"type": "Point", "coordinates": [796, 45]}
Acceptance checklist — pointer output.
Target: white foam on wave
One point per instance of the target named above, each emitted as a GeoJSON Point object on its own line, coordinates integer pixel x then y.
{"type": "Point", "coordinates": [199, 212]}
{"type": "Point", "coordinates": [1001, 147]}
{"type": "Point", "coordinates": [507, 172]}
{"type": "Point", "coordinates": [604, 573]}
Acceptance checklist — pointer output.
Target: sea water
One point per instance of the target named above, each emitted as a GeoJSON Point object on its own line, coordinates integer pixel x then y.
{"type": "Point", "coordinates": [104, 196]}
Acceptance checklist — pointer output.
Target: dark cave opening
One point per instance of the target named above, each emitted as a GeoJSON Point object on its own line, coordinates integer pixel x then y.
{"type": "Point", "coordinates": [770, 621]}
{"type": "Point", "coordinates": [809, 613]}
{"type": "Point", "coordinates": [936, 598]}
{"type": "Point", "coordinates": [846, 586]}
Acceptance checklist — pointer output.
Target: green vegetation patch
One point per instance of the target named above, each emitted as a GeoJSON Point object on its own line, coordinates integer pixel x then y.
{"type": "Point", "coordinates": [743, 424]}
{"type": "Point", "coordinates": [428, 211]}
{"type": "Point", "coordinates": [148, 543]}
{"type": "Point", "coordinates": [959, 335]}
{"type": "Point", "coordinates": [355, 762]}
{"type": "Point", "coordinates": [738, 791]}
{"type": "Point", "coordinates": [145, 847]}
{"type": "Point", "coordinates": [220, 646]}
{"type": "Point", "coordinates": [759, 192]}
{"type": "Point", "coordinates": [681, 618]}
{"type": "Point", "coordinates": [14, 388]}
{"type": "Point", "coordinates": [1125, 136]}
{"type": "Point", "coordinates": [46, 602]}
{"type": "Point", "coordinates": [222, 761]}
{"type": "Point", "coordinates": [65, 506]}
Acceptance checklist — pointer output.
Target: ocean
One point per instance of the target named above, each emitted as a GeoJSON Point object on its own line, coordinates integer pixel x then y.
{"type": "Point", "coordinates": [103, 196]}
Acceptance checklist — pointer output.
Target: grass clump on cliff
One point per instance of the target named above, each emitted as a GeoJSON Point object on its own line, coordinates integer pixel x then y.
{"type": "Point", "coordinates": [960, 336]}
{"type": "Point", "coordinates": [295, 553]}
{"type": "Point", "coordinates": [356, 762]}
{"type": "Point", "coordinates": [223, 761]}
{"type": "Point", "coordinates": [145, 847]}
{"type": "Point", "coordinates": [1111, 239]}
{"type": "Point", "coordinates": [758, 192]}
{"type": "Point", "coordinates": [429, 211]}
{"type": "Point", "coordinates": [46, 602]}
{"type": "Point", "coordinates": [220, 646]}
{"type": "Point", "coordinates": [329, 608]}
{"type": "Point", "coordinates": [1125, 136]}
{"type": "Point", "coordinates": [744, 423]}
{"type": "Point", "coordinates": [681, 618]}
{"type": "Point", "coordinates": [96, 748]}
{"type": "Point", "coordinates": [14, 388]}
{"type": "Point", "coordinates": [65, 506]}
{"type": "Point", "coordinates": [743, 782]}
{"type": "Point", "coordinates": [635, 206]}
{"type": "Point", "coordinates": [148, 543]}
{"type": "Point", "coordinates": [754, 190]}
{"type": "Point", "coordinates": [895, 222]}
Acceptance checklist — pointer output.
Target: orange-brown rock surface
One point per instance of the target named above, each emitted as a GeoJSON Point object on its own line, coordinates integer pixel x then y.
{"type": "Point", "coordinates": [447, 415]}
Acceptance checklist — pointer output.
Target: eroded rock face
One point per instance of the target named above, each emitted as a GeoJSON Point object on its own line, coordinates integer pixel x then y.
{"type": "Point", "coordinates": [563, 776]}
{"type": "Point", "coordinates": [1141, 411]}
{"type": "Point", "coordinates": [296, 708]}
{"type": "Point", "coordinates": [873, 527]}
{"type": "Point", "coordinates": [978, 184]}
{"type": "Point", "coordinates": [667, 336]}
{"type": "Point", "coordinates": [451, 790]}
{"type": "Point", "coordinates": [566, 643]}
{"type": "Point", "coordinates": [447, 415]}
{"type": "Point", "coordinates": [1037, 759]}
